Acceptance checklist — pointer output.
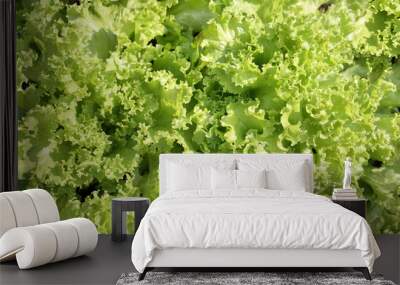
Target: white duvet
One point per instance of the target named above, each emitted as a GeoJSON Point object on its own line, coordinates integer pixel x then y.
{"type": "Point", "coordinates": [253, 218]}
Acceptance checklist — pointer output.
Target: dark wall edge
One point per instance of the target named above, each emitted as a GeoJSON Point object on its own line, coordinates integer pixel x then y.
{"type": "Point", "coordinates": [8, 108]}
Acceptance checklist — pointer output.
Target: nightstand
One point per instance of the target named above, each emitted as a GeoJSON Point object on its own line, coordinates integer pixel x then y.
{"type": "Point", "coordinates": [358, 206]}
{"type": "Point", "coordinates": [120, 206]}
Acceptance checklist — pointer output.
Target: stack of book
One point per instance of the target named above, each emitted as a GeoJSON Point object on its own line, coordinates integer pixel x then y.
{"type": "Point", "coordinates": [344, 194]}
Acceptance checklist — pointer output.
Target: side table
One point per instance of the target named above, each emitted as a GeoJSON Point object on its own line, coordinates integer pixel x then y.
{"type": "Point", "coordinates": [119, 207]}
{"type": "Point", "coordinates": [358, 206]}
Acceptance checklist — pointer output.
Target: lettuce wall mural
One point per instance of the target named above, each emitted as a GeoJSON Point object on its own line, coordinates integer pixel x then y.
{"type": "Point", "coordinates": [105, 86]}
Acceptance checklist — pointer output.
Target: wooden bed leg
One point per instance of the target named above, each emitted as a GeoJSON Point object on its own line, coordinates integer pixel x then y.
{"type": "Point", "coordinates": [364, 271]}
{"type": "Point", "coordinates": [143, 274]}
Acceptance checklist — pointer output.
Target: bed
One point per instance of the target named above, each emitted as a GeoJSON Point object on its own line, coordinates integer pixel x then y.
{"type": "Point", "coordinates": [247, 210]}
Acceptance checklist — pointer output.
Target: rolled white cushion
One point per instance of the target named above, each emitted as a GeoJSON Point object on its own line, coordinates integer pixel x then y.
{"type": "Point", "coordinates": [7, 218]}
{"type": "Point", "coordinates": [66, 238]}
{"type": "Point", "coordinates": [26, 208]}
{"type": "Point", "coordinates": [45, 205]}
{"type": "Point", "coordinates": [33, 246]}
{"type": "Point", "coordinates": [37, 245]}
{"type": "Point", "coordinates": [23, 208]}
{"type": "Point", "coordinates": [87, 235]}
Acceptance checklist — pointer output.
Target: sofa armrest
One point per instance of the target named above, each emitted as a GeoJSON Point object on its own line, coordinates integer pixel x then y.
{"type": "Point", "coordinates": [40, 244]}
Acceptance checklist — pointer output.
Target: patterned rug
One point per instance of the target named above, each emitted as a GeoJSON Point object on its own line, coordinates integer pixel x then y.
{"type": "Point", "coordinates": [243, 278]}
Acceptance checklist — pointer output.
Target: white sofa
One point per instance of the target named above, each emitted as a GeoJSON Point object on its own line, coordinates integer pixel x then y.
{"type": "Point", "coordinates": [31, 231]}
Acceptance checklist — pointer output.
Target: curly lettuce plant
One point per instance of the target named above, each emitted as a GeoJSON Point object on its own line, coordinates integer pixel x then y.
{"type": "Point", "coordinates": [105, 86]}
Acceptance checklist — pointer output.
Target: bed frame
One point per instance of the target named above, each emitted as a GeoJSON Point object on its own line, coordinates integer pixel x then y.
{"type": "Point", "coordinates": [246, 258]}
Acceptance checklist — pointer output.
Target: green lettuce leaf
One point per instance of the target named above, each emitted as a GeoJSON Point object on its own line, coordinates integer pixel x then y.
{"type": "Point", "coordinates": [105, 86]}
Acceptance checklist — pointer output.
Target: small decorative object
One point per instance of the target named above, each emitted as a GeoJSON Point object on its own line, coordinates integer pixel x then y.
{"type": "Point", "coordinates": [345, 193]}
{"type": "Point", "coordinates": [347, 174]}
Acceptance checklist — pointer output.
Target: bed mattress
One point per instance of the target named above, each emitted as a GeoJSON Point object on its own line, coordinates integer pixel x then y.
{"type": "Point", "coordinates": [250, 219]}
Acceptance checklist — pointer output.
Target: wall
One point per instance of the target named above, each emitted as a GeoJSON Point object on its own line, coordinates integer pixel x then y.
{"type": "Point", "coordinates": [8, 104]}
{"type": "Point", "coordinates": [105, 86]}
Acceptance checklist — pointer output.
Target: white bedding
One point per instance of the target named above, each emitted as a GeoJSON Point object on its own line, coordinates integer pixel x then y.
{"type": "Point", "coordinates": [252, 218]}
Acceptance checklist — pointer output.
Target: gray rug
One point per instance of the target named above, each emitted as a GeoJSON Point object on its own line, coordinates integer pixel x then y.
{"type": "Point", "coordinates": [236, 278]}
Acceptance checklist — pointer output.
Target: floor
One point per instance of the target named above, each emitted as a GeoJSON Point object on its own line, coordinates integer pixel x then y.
{"type": "Point", "coordinates": [389, 262]}
{"type": "Point", "coordinates": [103, 266]}
{"type": "Point", "coordinates": [111, 259]}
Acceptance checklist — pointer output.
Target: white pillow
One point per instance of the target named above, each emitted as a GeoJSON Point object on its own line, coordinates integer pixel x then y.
{"type": "Point", "coordinates": [281, 174]}
{"type": "Point", "coordinates": [223, 179]}
{"type": "Point", "coordinates": [226, 179]}
{"type": "Point", "coordinates": [251, 178]}
{"type": "Point", "coordinates": [181, 177]}
{"type": "Point", "coordinates": [194, 174]}
{"type": "Point", "coordinates": [293, 180]}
